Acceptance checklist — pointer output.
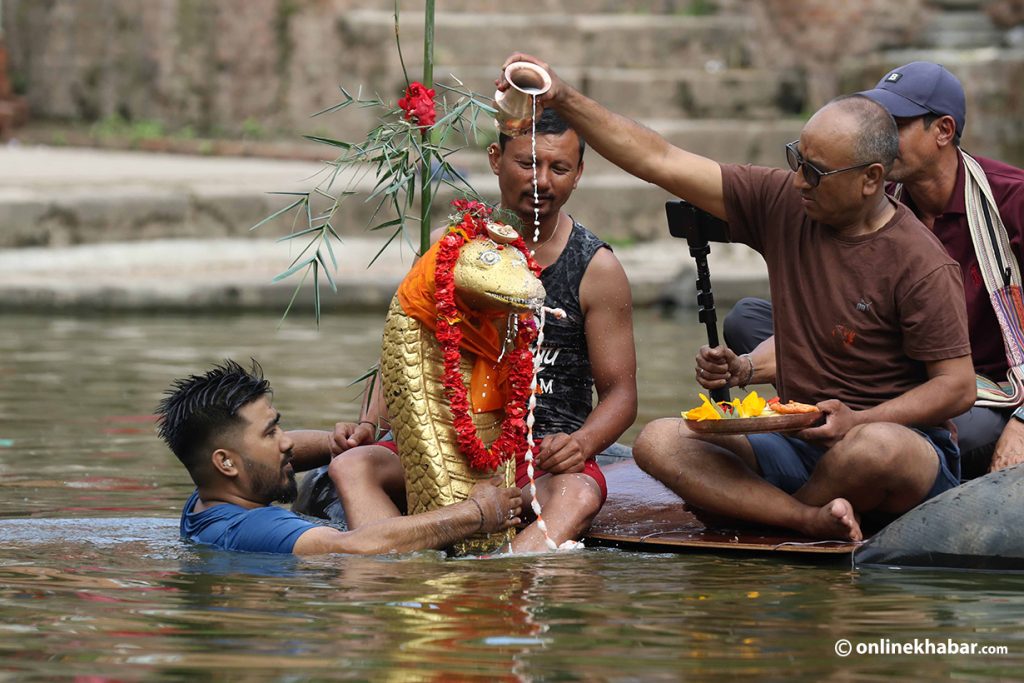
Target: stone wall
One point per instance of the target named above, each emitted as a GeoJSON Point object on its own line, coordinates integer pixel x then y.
{"type": "Point", "coordinates": [228, 67]}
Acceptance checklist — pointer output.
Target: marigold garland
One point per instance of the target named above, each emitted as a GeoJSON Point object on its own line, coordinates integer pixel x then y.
{"type": "Point", "coordinates": [469, 222]}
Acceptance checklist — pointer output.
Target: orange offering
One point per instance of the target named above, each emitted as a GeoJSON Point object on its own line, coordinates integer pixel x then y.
{"type": "Point", "coordinates": [790, 407]}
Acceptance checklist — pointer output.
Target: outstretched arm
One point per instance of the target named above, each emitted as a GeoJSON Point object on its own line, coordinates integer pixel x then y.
{"type": "Point", "coordinates": [635, 148]}
{"type": "Point", "coordinates": [608, 322]}
{"type": "Point", "coordinates": [488, 508]}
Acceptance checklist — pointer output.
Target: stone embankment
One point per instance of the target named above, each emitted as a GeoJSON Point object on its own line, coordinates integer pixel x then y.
{"type": "Point", "coordinates": [729, 79]}
{"type": "Point", "coordinates": [104, 230]}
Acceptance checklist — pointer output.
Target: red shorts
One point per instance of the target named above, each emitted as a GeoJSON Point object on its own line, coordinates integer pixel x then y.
{"type": "Point", "coordinates": [590, 468]}
{"type": "Point", "coordinates": [388, 444]}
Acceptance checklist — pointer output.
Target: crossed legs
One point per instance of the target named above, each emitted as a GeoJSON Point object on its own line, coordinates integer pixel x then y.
{"type": "Point", "coordinates": [884, 467]}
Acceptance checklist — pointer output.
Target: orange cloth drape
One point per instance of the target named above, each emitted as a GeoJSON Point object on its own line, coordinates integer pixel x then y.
{"type": "Point", "coordinates": [489, 385]}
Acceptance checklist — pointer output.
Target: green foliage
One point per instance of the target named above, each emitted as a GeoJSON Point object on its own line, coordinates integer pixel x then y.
{"type": "Point", "coordinates": [116, 127]}
{"type": "Point", "coordinates": [252, 129]}
{"type": "Point", "coordinates": [392, 155]}
{"type": "Point", "coordinates": [700, 8]}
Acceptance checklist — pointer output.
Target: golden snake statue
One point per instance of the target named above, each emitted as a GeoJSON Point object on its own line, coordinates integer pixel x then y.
{"type": "Point", "coordinates": [492, 279]}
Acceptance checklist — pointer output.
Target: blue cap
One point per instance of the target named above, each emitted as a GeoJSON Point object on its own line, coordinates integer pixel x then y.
{"type": "Point", "coordinates": [920, 88]}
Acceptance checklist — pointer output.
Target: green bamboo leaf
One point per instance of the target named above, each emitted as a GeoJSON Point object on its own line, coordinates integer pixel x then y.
{"type": "Point", "coordinates": [291, 302]}
{"type": "Point", "coordinates": [302, 253]}
{"type": "Point", "coordinates": [341, 105]}
{"type": "Point", "coordinates": [300, 233]}
{"type": "Point", "coordinates": [370, 373]}
{"type": "Point", "coordinates": [330, 249]}
{"type": "Point", "coordinates": [391, 239]}
{"type": "Point", "coordinates": [294, 269]}
{"type": "Point", "coordinates": [279, 212]}
{"type": "Point", "coordinates": [329, 141]}
{"type": "Point", "coordinates": [387, 224]}
{"type": "Point", "coordinates": [462, 179]}
{"type": "Point", "coordinates": [327, 272]}
{"type": "Point", "coordinates": [316, 294]}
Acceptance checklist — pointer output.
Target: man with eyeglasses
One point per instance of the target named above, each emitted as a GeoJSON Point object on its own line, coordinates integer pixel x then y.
{"type": "Point", "coordinates": [870, 323]}
{"type": "Point", "coordinates": [930, 177]}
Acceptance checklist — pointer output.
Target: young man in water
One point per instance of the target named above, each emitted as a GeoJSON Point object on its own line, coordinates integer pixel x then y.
{"type": "Point", "coordinates": [591, 348]}
{"type": "Point", "coordinates": [870, 323]}
{"type": "Point", "coordinates": [223, 427]}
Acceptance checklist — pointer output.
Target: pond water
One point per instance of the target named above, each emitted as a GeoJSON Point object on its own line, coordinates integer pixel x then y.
{"type": "Point", "coordinates": [95, 585]}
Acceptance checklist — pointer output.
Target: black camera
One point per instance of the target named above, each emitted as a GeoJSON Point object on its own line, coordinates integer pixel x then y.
{"type": "Point", "coordinates": [695, 225]}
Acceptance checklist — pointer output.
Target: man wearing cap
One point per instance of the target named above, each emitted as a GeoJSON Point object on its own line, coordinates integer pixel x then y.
{"type": "Point", "coordinates": [931, 178]}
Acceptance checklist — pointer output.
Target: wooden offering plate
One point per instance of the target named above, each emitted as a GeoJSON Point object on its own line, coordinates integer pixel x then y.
{"type": "Point", "coordinates": [752, 425]}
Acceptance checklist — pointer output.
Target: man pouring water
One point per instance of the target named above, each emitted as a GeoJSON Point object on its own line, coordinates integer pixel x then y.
{"type": "Point", "coordinates": [887, 377]}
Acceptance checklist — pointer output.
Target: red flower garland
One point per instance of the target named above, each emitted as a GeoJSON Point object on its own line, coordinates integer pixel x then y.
{"type": "Point", "coordinates": [512, 440]}
{"type": "Point", "coordinates": [418, 105]}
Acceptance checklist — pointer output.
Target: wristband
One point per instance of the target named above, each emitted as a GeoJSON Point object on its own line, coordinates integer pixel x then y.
{"type": "Point", "coordinates": [1019, 413]}
{"type": "Point", "coordinates": [750, 371]}
{"type": "Point", "coordinates": [480, 510]}
{"type": "Point", "coordinates": [378, 431]}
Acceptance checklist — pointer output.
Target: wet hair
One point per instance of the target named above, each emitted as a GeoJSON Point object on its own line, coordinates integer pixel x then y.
{"type": "Point", "coordinates": [549, 123]}
{"type": "Point", "coordinates": [198, 408]}
{"type": "Point", "coordinates": [878, 139]}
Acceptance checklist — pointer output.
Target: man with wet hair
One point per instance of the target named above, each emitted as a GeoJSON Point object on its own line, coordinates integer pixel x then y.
{"type": "Point", "coordinates": [870, 327]}
{"type": "Point", "coordinates": [930, 176]}
{"type": "Point", "coordinates": [223, 427]}
{"type": "Point", "coordinates": [592, 348]}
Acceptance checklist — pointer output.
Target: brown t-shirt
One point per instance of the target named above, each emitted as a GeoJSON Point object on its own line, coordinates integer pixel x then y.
{"type": "Point", "coordinates": [856, 318]}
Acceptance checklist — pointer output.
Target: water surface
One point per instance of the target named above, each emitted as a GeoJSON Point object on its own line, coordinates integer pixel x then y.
{"type": "Point", "coordinates": [94, 581]}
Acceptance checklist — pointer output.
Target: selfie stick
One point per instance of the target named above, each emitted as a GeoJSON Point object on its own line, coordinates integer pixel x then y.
{"type": "Point", "coordinates": [686, 220]}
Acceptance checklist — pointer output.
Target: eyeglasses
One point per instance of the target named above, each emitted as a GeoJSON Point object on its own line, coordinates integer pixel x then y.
{"type": "Point", "coordinates": [813, 174]}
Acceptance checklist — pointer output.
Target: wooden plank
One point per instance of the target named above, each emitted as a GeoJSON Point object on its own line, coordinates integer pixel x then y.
{"type": "Point", "coordinates": [642, 513]}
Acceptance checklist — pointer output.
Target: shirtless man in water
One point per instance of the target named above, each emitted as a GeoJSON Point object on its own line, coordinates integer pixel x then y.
{"type": "Point", "coordinates": [870, 323]}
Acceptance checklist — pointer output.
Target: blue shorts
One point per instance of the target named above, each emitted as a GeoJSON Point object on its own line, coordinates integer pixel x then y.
{"type": "Point", "coordinates": [787, 462]}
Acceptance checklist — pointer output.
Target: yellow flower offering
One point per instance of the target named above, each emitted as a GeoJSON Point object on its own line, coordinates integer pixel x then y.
{"type": "Point", "coordinates": [706, 411]}
{"type": "Point", "coordinates": [750, 406]}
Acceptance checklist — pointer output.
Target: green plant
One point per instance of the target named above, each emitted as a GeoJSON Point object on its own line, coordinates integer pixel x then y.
{"type": "Point", "coordinates": [398, 153]}
{"type": "Point", "coordinates": [251, 128]}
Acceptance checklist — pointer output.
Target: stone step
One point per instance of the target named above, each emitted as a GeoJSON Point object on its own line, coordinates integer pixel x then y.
{"type": "Point", "coordinates": [597, 40]}
{"type": "Point", "coordinates": [960, 30]}
{"type": "Point", "coordinates": [66, 197]}
{"type": "Point", "coordinates": [411, 8]}
{"type": "Point", "coordinates": [732, 141]}
{"type": "Point", "coordinates": [665, 94]}
{"type": "Point", "coordinates": [236, 274]}
{"type": "Point", "coordinates": [990, 77]}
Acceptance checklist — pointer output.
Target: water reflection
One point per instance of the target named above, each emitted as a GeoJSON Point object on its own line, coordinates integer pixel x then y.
{"type": "Point", "coordinates": [95, 583]}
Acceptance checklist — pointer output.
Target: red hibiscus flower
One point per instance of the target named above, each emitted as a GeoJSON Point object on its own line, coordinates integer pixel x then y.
{"type": "Point", "coordinates": [418, 105]}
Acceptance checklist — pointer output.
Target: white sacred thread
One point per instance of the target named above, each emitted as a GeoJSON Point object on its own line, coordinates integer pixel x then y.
{"type": "Point", "coordinates": [536, 196]}
{"type": "Point", "coordinates": [530, 444]}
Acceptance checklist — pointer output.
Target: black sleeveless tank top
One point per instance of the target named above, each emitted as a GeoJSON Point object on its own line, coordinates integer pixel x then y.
{"type": "Point", "coordinates": [565, 380]}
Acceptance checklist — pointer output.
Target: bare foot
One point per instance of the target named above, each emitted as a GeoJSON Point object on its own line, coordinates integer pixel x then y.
{"type": "Point", "coordinates": [835, 519]}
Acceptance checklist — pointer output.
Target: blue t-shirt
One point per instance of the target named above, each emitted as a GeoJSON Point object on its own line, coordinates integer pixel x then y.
{"type": "Point", "coordinates": [267, 529]}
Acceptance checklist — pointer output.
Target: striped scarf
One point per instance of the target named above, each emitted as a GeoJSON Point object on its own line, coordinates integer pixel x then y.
{"type": "Point", "coordinates": [1001, 273]}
